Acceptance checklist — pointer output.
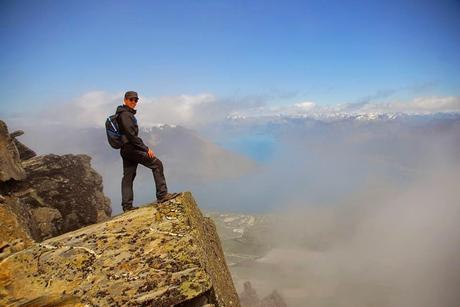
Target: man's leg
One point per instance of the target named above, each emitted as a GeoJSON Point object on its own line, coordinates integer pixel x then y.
{"type": "Point", "coordinates": [156, 166]}
{"type": "Point", "coordinates": [129, 173]}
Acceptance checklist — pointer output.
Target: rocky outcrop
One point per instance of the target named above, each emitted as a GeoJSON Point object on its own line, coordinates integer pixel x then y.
{"type": "Point", "coordinates": [24, 151]}
{"type": "Point", "coordinates": [49, 194]}
{"type": "Point", "coordinates": [249, 298]}
{"type": "Point", "coordinates": [61, 193]}
{"type": "Point", "coordinates": [10, 166]}
{"type": "Point", "coordinates": [159, 255]}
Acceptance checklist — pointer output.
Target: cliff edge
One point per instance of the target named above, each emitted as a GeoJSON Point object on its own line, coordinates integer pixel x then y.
{"type": "Point", "coordinates": [158, 255]}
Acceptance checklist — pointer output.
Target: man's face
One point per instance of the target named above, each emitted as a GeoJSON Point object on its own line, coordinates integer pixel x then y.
{"type": "Point", "coordinates": [131, 102]}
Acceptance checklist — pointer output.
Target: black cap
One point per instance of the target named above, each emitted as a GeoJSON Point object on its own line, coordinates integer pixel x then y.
{"type": "Point", "coordinates": [131, 94]}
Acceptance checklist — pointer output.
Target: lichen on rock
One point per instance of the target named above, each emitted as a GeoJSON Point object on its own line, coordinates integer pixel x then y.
{"type": "Point", "coordinates": [164, 254]}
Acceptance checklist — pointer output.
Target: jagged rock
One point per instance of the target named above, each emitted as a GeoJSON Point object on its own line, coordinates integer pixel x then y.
{"type": "Point", "coordinates": [62, 193]}
{"type": "Point", "coordinates": [10, 164]}
{"type": "Point", "coordinates": [273, 300]}
{"type": "Point", "coordinates": [157, 255]}
{"type": "Point", "coordinates": [16, 133]}
{"type": "Point", "coordinates": [249, 298]}
{"type": "Point", "coordinates": [24, 151]}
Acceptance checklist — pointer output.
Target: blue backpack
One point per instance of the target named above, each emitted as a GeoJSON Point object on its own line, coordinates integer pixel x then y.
{"type": "Point", "coordinates": [113, 132]}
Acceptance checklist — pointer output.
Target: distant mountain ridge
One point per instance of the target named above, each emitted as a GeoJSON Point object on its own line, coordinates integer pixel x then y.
{"type": "Point", "coordinates": [340, 116]}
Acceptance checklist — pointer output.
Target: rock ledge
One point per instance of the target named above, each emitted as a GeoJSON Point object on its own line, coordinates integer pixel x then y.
{"type": "Point", "coordinates": [158, 255]}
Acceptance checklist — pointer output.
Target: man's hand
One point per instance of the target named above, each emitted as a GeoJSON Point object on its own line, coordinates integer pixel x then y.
{"type": "Point", "coordinates": [150, 153]}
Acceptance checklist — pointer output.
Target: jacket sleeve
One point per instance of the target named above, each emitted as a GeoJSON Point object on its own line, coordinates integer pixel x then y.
{"type": "Point", "coordinates": [127, 128]}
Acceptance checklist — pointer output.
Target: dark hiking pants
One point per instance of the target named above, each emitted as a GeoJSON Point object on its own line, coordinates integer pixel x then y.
{"type": "Point", "coordinates": [131, 158]}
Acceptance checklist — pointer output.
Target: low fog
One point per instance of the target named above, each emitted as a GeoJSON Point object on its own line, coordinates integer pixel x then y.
{"type": "Point", "coordinates": [386, 245]}
{"type": "Point", "coordinates": [367, 214]}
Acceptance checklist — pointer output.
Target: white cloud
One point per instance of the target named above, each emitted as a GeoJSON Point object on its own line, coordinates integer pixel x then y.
{"type": "Point", "coordinates": [194, 111]}
{"type": "Point", "coordinates": [187, 110]}
{"type": "Point", "coordinates": [91, 110]}
{"type": "Point", "coordinates": [419, 105]}
{"type": "Point", "coordinates": [306, 105]}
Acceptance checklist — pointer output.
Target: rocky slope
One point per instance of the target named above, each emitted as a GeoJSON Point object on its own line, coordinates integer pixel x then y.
{"type": "Point", "coordinates": [158, 255]}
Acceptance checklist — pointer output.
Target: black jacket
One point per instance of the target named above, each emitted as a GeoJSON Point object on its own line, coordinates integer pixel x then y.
{"type": "Point", "coordinates": [128, 126]}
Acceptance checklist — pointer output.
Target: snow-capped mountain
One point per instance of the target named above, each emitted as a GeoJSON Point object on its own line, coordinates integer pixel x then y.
{"type": "Point", "coordinates": [340, 116]}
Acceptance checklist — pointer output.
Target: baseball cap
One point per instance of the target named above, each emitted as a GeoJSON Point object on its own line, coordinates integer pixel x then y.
{"type": "Point", "coordinates": [131, 94]}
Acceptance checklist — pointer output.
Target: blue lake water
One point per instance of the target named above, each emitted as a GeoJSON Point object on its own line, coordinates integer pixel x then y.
{"type": "Point", "coordinates": [259, 147]}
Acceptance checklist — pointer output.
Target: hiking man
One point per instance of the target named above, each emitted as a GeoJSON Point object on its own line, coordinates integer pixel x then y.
{"type": "Point", "coordinates": [134, 151]}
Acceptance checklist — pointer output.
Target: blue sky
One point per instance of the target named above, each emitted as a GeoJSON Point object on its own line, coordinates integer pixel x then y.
{"type": "Point", "coordinates": [283, 51]}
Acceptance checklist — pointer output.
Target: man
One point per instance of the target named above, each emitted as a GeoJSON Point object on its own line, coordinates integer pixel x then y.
{"type": "Point", "coordinates": [134, 151]}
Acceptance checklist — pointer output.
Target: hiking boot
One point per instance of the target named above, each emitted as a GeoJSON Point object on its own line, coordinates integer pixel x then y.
{"type": "Point", "coordinates": [167, 196]}
{"type": "Point", "coordinates": [130, 209]}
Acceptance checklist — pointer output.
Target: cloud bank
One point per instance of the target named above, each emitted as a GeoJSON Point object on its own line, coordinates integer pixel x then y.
{"type": "Point", "coordinates": [418, 105]}
{"type": "Point", "coordinates": [201, 110]}
{"type": "Point", "coordinates": [364, 216]}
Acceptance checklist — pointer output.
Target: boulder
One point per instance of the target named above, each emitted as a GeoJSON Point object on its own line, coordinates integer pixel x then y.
{"type": "Point", "coordinates": [164, 254]}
